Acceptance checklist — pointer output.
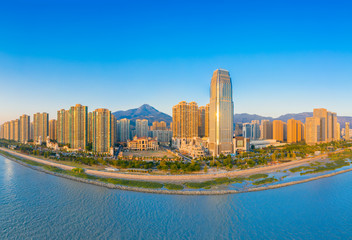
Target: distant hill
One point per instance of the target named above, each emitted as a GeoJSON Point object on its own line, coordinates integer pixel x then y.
{"type": "Point", "coordinates": [143, 112]}
{"type": "Point", "coordinates": [245, 117]}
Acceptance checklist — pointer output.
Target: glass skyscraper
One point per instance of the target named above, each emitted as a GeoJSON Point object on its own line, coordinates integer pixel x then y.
{"type": "Point", "coordinates": [221, 113]}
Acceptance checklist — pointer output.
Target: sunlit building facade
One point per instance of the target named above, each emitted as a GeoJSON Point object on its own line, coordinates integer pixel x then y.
{"type": "Point", "coordinates": [41, 126]}
{"type": "Point", "coordinates": [221, 112]}
{"type": "Point", "coordinates": [103, 130]}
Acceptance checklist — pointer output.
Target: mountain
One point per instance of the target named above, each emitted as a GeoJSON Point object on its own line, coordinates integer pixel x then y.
{"type": "Point", "coordinates": [143, 112]}
{"type": "Point", "coordinates": [245, 118]}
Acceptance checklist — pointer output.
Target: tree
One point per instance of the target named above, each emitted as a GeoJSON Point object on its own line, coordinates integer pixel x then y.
{"type": "Point", "coordinates": [206, 169]}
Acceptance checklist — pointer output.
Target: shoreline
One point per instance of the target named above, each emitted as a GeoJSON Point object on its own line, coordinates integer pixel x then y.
{"type": "Point", "coordinates": [176, 178]}
{"type": "Point", "coordinates": [173, 192]}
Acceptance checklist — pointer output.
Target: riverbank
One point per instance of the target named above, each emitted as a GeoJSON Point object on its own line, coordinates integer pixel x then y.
{"type": "Point", "coordinates": [164, 191]}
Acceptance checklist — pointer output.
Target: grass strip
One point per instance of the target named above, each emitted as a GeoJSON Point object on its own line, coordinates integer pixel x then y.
{"type": "Point", "coordinates": [172, 186]}
{"type": "Point", "coordinates": [132, 183]}
{"type": "Point", "coordinates": [257, 176]}
{"type": "Point", "coordinates": [265, 181]}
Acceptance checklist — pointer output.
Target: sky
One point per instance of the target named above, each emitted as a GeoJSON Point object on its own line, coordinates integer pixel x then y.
{"type": "Point", "coordinates": [283, 56]}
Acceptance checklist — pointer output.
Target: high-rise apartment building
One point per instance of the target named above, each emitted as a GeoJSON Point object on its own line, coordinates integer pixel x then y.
{"type": "Point", "coordinates": [201, 121]}
{"type": "Point", "coordinates": [185, 120]}
{"type": "Point", "coordinates": [52, 129]}
{"type": "Point", "coordinates": [123, 130]}
{"type": "Point", "coordinates": [267, 129]}
{"type": "Point", "coordinates": [159, 125]}
{"type": "Point", "coordinates": [90, 128]}
{"type": "Point", "coordinates": [295, 131]}
{"type": "Point", "coordinates": [247, 130]}
{"type": "Point", "coordinates": [60, 126]}
{"type": "Point", "coordinates": [193, 120]}
{"type": "Point", "coordinates": [16, 130]}
{"type": "Point", "coordinates": [79, 126]}
{"type": "Point", "coordinates": [206, 124]}
{"type": "Point", "coordinates": [142, 128]}
{"type": "Point", "coordinates": [322, 114]}
{"type": "Point", "coordinates": [338, 131]}
{"type": "Point", "coordinates": [335, 131]}
{"type": "Point", "coordinates": [41, 126]}
{"type": "Point", "coordinates": [278, 130]}
{"type": "Point", "coordinates": [347, 131]}
{"type": "Point", "coordinates": [221, 112]}
{"type": "Point", "coordinates": [25, 128]}
{"type": "Point", "coordinates": [103, 130]}
{"type": "Point", "coordinates": [312, 130]}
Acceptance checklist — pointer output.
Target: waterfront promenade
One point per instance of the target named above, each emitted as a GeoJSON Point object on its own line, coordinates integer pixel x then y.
{"type": "Point", "coordinates": [176, 178]}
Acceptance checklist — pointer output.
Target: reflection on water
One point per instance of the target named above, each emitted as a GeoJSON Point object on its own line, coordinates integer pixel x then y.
{"type": "Point", "coordinates": [35, 205]}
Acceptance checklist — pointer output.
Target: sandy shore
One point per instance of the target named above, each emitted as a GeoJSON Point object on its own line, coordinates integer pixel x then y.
{"type": "Point", "coordinates": [176, 178]}
{"type": "Point", "coordinates": [175, 192]}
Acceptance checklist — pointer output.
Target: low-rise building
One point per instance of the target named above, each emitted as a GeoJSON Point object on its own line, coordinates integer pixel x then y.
{"type": "Point", "coordinates": [241, 144]}
{"type": "Point", "coordinates": [143, 144]}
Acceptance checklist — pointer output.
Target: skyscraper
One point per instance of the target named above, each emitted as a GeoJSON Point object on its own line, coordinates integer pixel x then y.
{"type": "Point", "coordinates": [25, 128]}
{"type": "Point", "coordinates": [221, 113]}
{"type": "Point", "coordinates": [41, 126]}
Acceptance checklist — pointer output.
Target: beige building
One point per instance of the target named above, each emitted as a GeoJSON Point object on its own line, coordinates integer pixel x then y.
{"type": "Point", "coordinates": [221, 112]}
{"type": "Point", "coordinates": [41, 126]}
{"type": "Point", "coordinates": [295, 131]}
{"type": "Point", "coordinates": [312, 130]}
{"type": "Point", "coordinates": [206, 119]}
{"type": "Point", "coordinates": [103, 130]}
{"type": "Point", "coordinates": [159, 125]}
{"type": "Point", "coordinates": [347, 131]}
{"type": "Point", "coordinates": [25, 128]}
{"type": "Point", "coordinates": [278, 130]}
{"type": "Point", "coordinates": [143, 144]}
{"type": "Point", "coordinates": [60, 126]}
{"type": "Point", "coordinates": [79, 122]}
{"type": "Point", "coordinates": [185, 120]}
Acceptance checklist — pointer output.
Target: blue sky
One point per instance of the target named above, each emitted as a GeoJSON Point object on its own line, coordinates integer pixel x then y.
{"type": "Point", "coordinates": [283, 56]}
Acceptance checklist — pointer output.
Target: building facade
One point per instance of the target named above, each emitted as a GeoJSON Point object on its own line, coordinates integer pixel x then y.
{"type": "Point", "coordinates": [221, 112]}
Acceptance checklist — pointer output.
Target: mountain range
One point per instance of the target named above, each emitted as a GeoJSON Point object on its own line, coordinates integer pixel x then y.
{"type": "Point", "coordinates": [148, 112]}
{"type": "Point", "coordinates": [143, 112]}
{"type": "Point", "coordinates": [245, 117]}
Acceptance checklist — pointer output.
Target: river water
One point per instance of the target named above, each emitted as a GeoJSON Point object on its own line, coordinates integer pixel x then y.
{"type": "Point", "coordinates": [35, 205]}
